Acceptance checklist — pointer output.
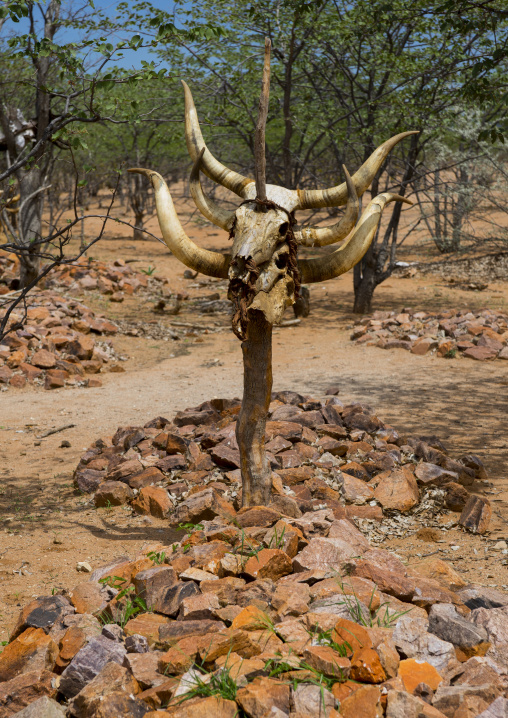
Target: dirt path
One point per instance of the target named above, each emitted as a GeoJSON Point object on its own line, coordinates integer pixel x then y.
{"type": "Point", "coordinates": [45, 528]}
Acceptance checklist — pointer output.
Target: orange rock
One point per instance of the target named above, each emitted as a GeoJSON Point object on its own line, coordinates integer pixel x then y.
{"type": "Point", "coordinates": [366, 666]}
{"type": "Point", "coordinates": [413, 671]}
{"type": "Point", "coordinates": [73, 639]}
{"type": "Point", "coordinates": [258, 697]}
{"type": "Point", "coordinates": [343, 690]}
{"type": "Point", "coordinates": [397, 489]}
{"type": "Point", "coordinates": [153, 500]}
{"type": "Point", "coordinates": [440, 571]}
{"type": "Point", "coordinates": [147, 625]}
{"type": "Point", "coordinates": [88, 597]}
{"type": "Point", "coordinates": [354, 636]}
{"type": "Point", "coordinates": [31, 650]}
{"type": "Point", "coordinates": [269, 563]}
{"type": "Point", "coordinates": [43, 359]}
{"type": "Point", "coordinates": [251, 618]}
{"type": "Point", "coordinates": [180, 657]}
{"type": "Point", "coordinates": [24, 689]}
{"type": "Point", "coordinates": [365, 702]}
{"type": "Point", "coordinates": [129, 569]}
{"type": "Point", "coordinates": [325, 660]}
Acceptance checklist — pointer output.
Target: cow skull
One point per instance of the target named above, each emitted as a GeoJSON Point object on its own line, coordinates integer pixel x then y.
{"type": "Point", "coordinates": [263, 256]}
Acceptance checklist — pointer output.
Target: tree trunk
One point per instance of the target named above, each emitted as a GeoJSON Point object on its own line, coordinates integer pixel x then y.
{"type": "Point", "coordinates": [250, 428]}
{"type": "Point", "coordinates": [30, 226]}
{"type": "Point", "coordinates": [365, 284]}
{"type": "Point", "coordinates": [138, 233]}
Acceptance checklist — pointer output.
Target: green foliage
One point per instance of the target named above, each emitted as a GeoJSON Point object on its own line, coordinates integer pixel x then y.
{"type": "Point", "coordinates": [158, 557]}
{"type": "Point", "coordinates": [190, 527]}
{"type": "Point", "coordinates": [221, 683]}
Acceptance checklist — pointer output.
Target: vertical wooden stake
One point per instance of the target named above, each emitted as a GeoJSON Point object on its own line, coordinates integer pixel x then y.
{"type": "Point", "coordinates": [251, 424]}
{"type": "Point", "coordinates": [259, 137]}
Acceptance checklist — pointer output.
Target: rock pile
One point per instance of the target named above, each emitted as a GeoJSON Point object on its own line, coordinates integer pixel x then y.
{"type": "Point", "coordinates": [324, 456]}
{"type": "Point", "coordinates": [115, 280]}
{"type": "Point", "coordinates": [480, 335]}
{"type": "Point", "coordinates": [268, 611]}
{"type": "Point", "coordinates": [58, 345]}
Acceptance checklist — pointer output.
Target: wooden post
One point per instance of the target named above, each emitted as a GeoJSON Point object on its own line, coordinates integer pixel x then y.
{"type": "Point", "coordinates": [251, 424]}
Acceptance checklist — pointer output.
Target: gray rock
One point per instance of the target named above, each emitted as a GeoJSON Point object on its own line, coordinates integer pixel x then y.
{"type": "Point", "coordinates": [88, 662]}
{"type": "Point", "coordinates": [43, 708]}
{"type": "Point", "coordinates": [149, 584]}
{"type": "Point", "coordinates": [494, 621]}
{"type": "Point", "coordinates": [169, 600]}
{"type": "Point", "coordinates": [449, 698]}
{"type": "Point", "coordinates": [498, 709]}
{"type": "Point", "coordinates": [136, 644]}
{"type": "Point", "coordinates": [312, 700]}
{"type": "Point", "coordinates": [475, 596]}
{"type": "Point", "coordinates": [412, 639]}
{"type": "Point", "coordinates": [323, 553]}
{"type": "Point", "coordinates": [447, 624]}
{"type": "Point", "coordinates": [113, 632]}
{"type": "Point", "coordinates": [404, 705]}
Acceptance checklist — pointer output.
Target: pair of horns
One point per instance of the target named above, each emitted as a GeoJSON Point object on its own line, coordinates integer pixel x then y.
{"type": "Point", "coordinates": [347, 193]}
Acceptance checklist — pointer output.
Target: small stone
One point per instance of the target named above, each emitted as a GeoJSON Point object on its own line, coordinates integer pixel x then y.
{"type": "Point", "coordinates": [257, 516]}
{"type": "Point", "coordinates": [413, 672]}
{"type": "Point", "coordinates": [456, 496]}
{"type": "Point", "coordinates": [43, 612]}
{"type": "Point", "coordinates": [327, 661]}
{"type": "Point", "coordinates": [136, 644]}
{"type": "Point", "coordinates": [440, 571]}
{"type": "Point", "coordinates": [351, 635]}
{"type": "Point", "coordinates": [366, 666]}
{"type": "Point", "coordinates": [404, 705]}
{"type": "Point", "coordinates": [32, 650]}
{"type": "Point", "coordinates": [42, 708]}
{"type": "Point", "coordinates": [113, 678]}
{"type": "Point", "coordinates": [268, 563]}
{"type": "Point", "coordinates": [312, 700]}
{"type": "Point", "coordinates": [200, 607]}
{"type": "Point", "coordinates": [26, 689]}
{"type": "Point", "coordinates": [88, 662]}
{"type": "Point", "coordinates": [259, 697]}
{"type": "Point", "coordinates": [83, 567]}
{"type": "Point", "coordinates": [204, 506]}
{"type": "Point", "coordinates": [480, 353]}
{"type": "Point", "coordinates": [397, 489]}
{"type": "Point", "coordinates": [89, 597]}
{"type": "Point", "coordinates": [147, 625]}
{"type": "Point", "coordinates": [43, 359]}
{"type": "Point", "coordinates": [363, 702]}
{"type": "Point", "coordinates": [153, 500]}
{"type": "Point", "coordinates": [476, 514]}
{"type": "Point", "coordinates": [112, 493]}
{"type": "Point", "coordinates": [323, 553]}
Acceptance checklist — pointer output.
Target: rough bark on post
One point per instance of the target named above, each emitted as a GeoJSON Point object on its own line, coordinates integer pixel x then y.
{"type": "Point", "coordinates": [251, 424]}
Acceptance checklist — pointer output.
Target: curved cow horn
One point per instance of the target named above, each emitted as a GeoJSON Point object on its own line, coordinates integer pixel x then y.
{"type": "Point", "coordinates": [322, 236]}
{"type": "Point", "coordinates": [344, 258]}
{"type": "Point", "coordinates": [206, 205]}
{"type": "Point", "coordinates": [211, 167]}
{"type": "Point", "coordinates": [200, 260]}
{"type": "Point", "coordinates": [337, 196]}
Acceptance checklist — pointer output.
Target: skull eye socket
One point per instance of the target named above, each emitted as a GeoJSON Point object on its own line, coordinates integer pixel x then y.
{"type": "Point", "coordinates": [283, 228]}
{"type": "Point", "coordinates": [281, 261]}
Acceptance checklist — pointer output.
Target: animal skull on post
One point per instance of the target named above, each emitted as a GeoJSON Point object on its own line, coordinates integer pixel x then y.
{"type": "Point", "coordinates": [263, 268]}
